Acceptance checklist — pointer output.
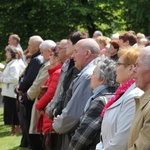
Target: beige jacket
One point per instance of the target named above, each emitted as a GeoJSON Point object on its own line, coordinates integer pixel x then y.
{"type": "Point", "coordinates": [139, 138]}
{"type": "Point", "coordinates": [42, 75]}
{"type": "Point", "coordinates": [33, 93]}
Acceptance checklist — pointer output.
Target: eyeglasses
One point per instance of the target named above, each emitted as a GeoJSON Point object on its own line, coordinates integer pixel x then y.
{"type": "Point", "coordinates": [119, 64]}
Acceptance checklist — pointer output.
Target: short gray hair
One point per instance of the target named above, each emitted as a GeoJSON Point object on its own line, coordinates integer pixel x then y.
{"type": "Point", "coordinates": [36, 39]}
{"type": "Point", "coordinates": [47, 44]}
{"type": "Point", "coordinates": [98, 33]}
{"type": "Point", "coordinates": [92, 45]}
{"type": "Point", "coordinates": [106, 70]}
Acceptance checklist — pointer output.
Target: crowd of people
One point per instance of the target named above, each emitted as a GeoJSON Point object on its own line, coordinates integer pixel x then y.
{"type": "Point", "coordinates": [79, 93]}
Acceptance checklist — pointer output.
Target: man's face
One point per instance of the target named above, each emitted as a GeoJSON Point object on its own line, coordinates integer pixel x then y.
{"type": "Point", "coordinates": [46, 53]}
{"type": "Point", "coordinates": [12, 41]}
{"type": "Point", "coordinates": [79, 56]}
{"type": "Point", "coordinates": [61, 51]}
{"type": "Point", "coordinates": [142, 73]}
{"type": "Point", "coordinates": [32, 47]}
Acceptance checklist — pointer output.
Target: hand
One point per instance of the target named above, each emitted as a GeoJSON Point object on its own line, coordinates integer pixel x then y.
{"type": "Point", "coordinates": [20, 99]}
{"type": "Point", "coordinates": [55, 118]}
{"type": "Point", "coordinates": [42, 112]}
{"type": "Point", "coordinates": [16, 89]}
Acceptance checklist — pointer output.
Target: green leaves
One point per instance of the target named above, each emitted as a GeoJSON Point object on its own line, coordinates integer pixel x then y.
{"type": "Point", "coordinates": [55, 19]}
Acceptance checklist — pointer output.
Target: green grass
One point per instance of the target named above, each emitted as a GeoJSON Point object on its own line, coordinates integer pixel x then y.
{"type": "Point", "coordinates": [8, 142]}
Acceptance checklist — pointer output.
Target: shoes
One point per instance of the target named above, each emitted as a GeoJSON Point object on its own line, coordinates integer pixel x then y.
{"type": "Point", "coordinates": [18, 130]}
{"type": "Point", "coordinates": [11, 133]}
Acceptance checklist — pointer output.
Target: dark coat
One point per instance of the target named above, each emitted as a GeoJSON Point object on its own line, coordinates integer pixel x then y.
{"type": "Point", "coordinates": [31, 72]}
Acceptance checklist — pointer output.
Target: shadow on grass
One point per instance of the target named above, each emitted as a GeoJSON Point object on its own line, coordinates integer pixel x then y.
{"type": "Point", "coordinates": [18, 148]}
{"type": "Point", "coordinates": [4, 134]}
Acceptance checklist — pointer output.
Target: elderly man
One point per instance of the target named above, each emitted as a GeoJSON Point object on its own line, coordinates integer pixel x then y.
{"type": "Point", "coordinates": [14, 40]}
{"type": "Point", "coordinates": [139, 138]}
{"type": "Point", "coordinates": [97, 34]}
{"type": "Point", "coordinates": [33, 92]}
{"type": "Point", "coordinates": [61, 50]}
{"type": "Point", "coordinates": [86, 50]}
{"type": "Point", "coordinates": [26, 82]}
{"type": "Point", "coordinates": [72, 70]}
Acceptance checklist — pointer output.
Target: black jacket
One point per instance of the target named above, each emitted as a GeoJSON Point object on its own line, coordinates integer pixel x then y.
{"type": "Point", "coordinates": [71, 74]}
{"type": "Point", "coordinates": [31, 72]}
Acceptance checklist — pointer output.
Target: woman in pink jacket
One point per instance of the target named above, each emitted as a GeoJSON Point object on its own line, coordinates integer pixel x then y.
{"type": "Point", "coordinates": [44, 123]}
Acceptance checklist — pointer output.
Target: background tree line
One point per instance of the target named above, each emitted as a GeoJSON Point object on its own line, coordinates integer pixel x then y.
{"type": "Point", "coordinates": [55, 19]}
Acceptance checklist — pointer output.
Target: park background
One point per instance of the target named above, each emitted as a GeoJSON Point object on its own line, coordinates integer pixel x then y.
{"type": "Point", "coordinates": [55, 19]}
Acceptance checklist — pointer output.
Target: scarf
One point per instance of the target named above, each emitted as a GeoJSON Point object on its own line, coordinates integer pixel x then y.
{"type": "Point", "coordinates": [96, 91]}
{"type": "Point", "coordinates": [121, 89]}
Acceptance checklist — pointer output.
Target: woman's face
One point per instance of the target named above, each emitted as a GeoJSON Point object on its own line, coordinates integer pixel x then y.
{"type": "Point", "coordinates": [112, 50]}
{"type": "Point", "coordinates": [95, 82]}
{"type": "Point", "coordinates": [8, 55]}
{"type": "Point", "coordinates": [122, 72]}
{"type": "Point", "coordinates": [53, 59]}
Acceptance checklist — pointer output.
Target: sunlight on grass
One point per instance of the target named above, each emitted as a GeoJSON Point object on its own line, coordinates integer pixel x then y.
{"type": "Point", "coordinates": [8, 142]}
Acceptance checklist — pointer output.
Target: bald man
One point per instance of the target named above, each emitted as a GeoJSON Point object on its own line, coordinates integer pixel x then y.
{"type": "Point", "coordinates": [86, 50]}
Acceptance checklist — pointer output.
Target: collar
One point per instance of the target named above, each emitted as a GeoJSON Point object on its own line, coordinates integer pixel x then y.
{"type": "Point", "coordinates": [36, 54]}
{"type": "Point", "coordinates": [99, 88]}
{"type": "Point", "coordinates": [51, 70]}
{"type": "Point", "coordinates": [86, 67]}
{"type": "Point", "coordinates": [133, 86]}
{"type": "Point", "coordinates": [144, 99]}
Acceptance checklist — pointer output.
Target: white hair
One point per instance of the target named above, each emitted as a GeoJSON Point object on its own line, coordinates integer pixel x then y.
{"type": "Point", "coordinates": [36, 39]}
{"type": "Point", "coordinates": [143, 41]}
{"type": "Point", "coordinates": [106, 70]}
{"type": "Point", "coordinates": [47, 44]}
{"type": "Point", "coordinates": [115, 36]}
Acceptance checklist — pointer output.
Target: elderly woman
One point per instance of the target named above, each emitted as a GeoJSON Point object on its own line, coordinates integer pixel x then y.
{"type": "Point", "coordinates": [9, 78]}
{"type": "Point", "coordinates": [118, 113]}
{"type": "Point", "coordinates": [103, 84]}
{"type": "Point", "coordinates": [44, 124]}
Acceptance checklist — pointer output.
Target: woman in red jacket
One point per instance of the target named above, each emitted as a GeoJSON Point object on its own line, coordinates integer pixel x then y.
{"type": "Point", "coordinates": [45, 124]}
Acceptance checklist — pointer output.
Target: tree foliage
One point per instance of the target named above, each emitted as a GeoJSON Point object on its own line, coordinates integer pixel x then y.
{"type": "Point", "coordinates": [137, 16]}
{"type": "Point", "coordinates": [55, 19]}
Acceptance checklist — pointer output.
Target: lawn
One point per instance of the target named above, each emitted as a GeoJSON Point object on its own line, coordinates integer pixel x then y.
{"type": "Point", "coordinates": [8, 142]}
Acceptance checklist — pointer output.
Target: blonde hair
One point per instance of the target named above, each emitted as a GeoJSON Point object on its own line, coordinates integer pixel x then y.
{"type": "Point", "coordinates": [19, 54]}
{"type": "Point", "coordinates": [102, 39]}
{"type": "Point", "coordinates": [130, 55]}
